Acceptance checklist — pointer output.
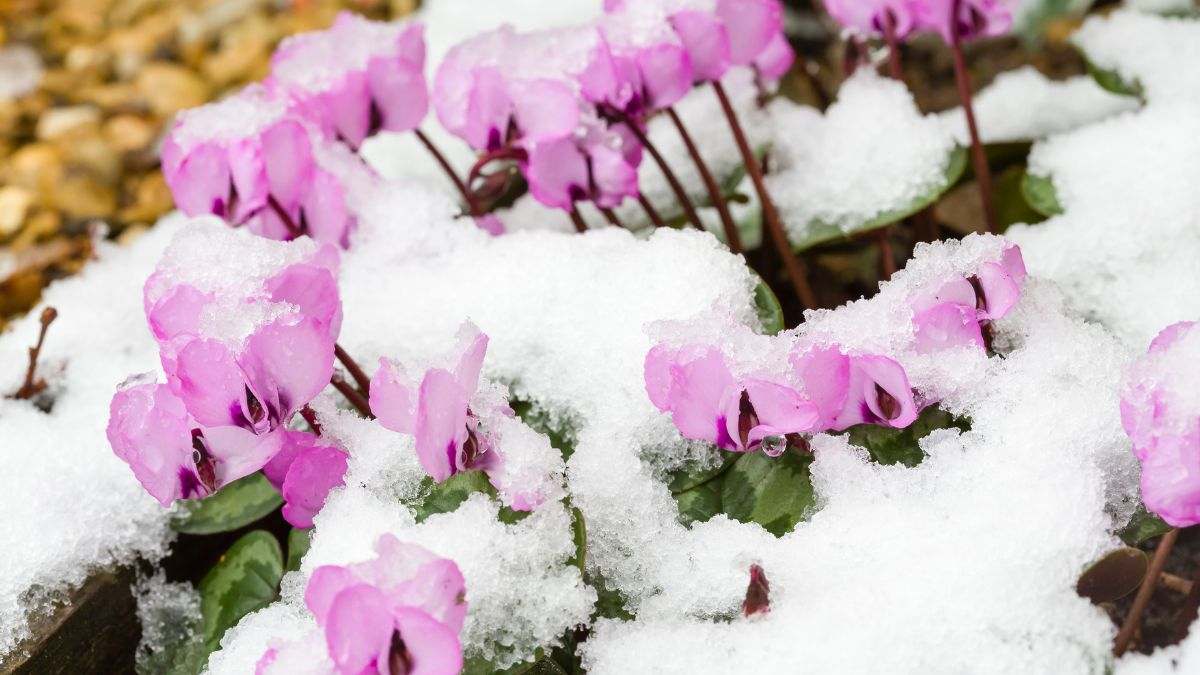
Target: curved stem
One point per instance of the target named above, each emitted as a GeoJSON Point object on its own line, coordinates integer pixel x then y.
{"type": "Point", "coordinates": [676, 187]}
{"type": "Point", "coordinates": [791, 262]}
{"type": "Point", "coordinates": [32, 385]}
{"type": "Point", "coordinates": [352, 367]}
{"type": "Point", "coordinates": [449, 171]}
{"type": "Point", "coordinates": [577, 220]}
{"type": "Point", "coordinates": [651, 212]}
{"type": "Point", "coordinates": [983, 174]}
{"type": "Point", "coordinates": [714, 191]}
{"type": "Point", "coordinates": [311, 417]}
{"type": "Point", "coordinates": [612, 218]}
{"type": "Point", "coordinates": [1134, 618]}
{"type": "Point", "coordinates": [356, 399]}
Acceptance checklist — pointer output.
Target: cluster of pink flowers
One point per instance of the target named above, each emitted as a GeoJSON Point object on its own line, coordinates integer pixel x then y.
{"type": "Point", "coordinates": [1160, 410]}
{"type": "Point", "coordinates": [570, 104]}
{"type": "Point", "coordinates": [398, 614]}
{"type": "Point", "coordinates": [224, 410]}
{"type": "Point", "coordinates": [825, 390]}
{"type": "Point", "coordinates": [951, 19]}
{"type": "Point", "coordinates": [959, 310]}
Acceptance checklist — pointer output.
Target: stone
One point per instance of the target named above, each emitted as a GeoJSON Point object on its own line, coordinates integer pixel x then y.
{"type": "Point", "coordinates": [168, 88]}
{"type": "Point", "coordinates": [57, 123]}
{"type": "Point", "coordinates": [129, 133]}
{"type": "Point", "coordinates": [37, 166]}
{"type": "Point", "coordinates": [151, 200]}
{"type": "Point", "coordinates": [14, 205]}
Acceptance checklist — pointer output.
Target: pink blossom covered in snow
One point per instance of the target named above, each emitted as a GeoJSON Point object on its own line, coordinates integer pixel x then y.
{"type": "Point", "coordinates": [399, 613]}
{"type": "Point", "coordinates": [957, 311]}
{"type": "Point", "coordinates": [357, 77]}
{"type": "Point", "coordinates": [249, 160]}
{"type": "Point", "coordinates": [1160, 410]}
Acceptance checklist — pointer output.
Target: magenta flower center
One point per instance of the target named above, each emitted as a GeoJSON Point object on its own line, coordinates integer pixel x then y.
{"type": "Point", "coordinates": [399, 659]}
{"type": "Point", "coordinates": [888, 405]}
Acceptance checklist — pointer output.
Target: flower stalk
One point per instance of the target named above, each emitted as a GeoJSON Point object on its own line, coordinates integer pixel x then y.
{"type": "Point", "coordinates": [459, 185]}
{"type": "Point", "coordinates": [714, 191]}
{"type": "Point", "coordinates": [356, 399]}
{"type": "Point", "coordinates": [34, 385]}
{"type": "Point", "coordinates": [983, 174]}
{"type": "Point", "coordinates": [791, 262]}
{"type": "Point", "coordinates": [685, 202]}
{"type": "Point", "coordinates": [360, 377]}
{"type": "Point", "coordinates": [1134, 619]}
{"type": "Point", "coordinates": [651, 212]}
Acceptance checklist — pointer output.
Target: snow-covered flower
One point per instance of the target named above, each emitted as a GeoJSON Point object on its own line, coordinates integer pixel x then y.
{"type": "Point", "coordinates": [855, 389]}
{"type": "Point", "coordinates": [356, 78]}
{"type": "Point", "coordinates": [399, 613]}
{"type": "Point", "coordinates": [708, 403]}
{"type": "Point", "coordinates": [1160, 411]}
{"type": "Point", "coordinates": [249, 160]}
{"type": "Point", "coordinates": [956, 312]}
{"type": "Point", "coordinates": [304, 470]}
{"type": "Point", "coordinates": [173, 455]}
{"type": "Point", "coordinates": [258, 381]}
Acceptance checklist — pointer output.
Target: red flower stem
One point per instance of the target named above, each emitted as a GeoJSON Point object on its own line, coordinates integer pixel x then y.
{"type": "Point", "coordinates": [32, 387]}
{"type": "Point", "coordinates": [1191, 603]}
{"type": "Point", "coordinates": [449, 171]}
{"type": "Point", "coordinates": [1134, 618]}
{"type": "Point", "coordinates": [791, 262]}
{"type": "Point", "coordinates": [311, 417]}
{"type": "Point", "coordinates": [895, 65]}
{"type": "Point", "coordinates": [612, 218]}
{"type": "Point", "coordinates": [983, 174]}
{"type": "Point", "coordinates": [356, 399]}
{"type": "Point", "coordinates": [680, 194]}
{"type": "Point", "coordinates": [290, 224]}
{"type": "Point", "coordinates": [352, 367]}
{"type": "Point", "coordinates": [577, 220]}
{"type": "Point", "coordinates": [714, 191]}
{"type": "Point", "coordinates": [887, 258]}
{"type": "Point", "coordinates": [651, 212]}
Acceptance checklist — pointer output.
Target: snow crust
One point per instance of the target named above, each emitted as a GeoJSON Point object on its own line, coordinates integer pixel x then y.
{"type": "Point", "coordinates": [71, 507]}
{"type": "Point", "coordinates": [1125, 250]}
{"type": "Point", "coordinates": [870, 153]}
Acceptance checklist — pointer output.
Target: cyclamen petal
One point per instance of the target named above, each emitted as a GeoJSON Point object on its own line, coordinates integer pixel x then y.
{"type": "Point", "coordinates": [775, 60]}
{"type": "Point", "coordinates": [752, 24]}
{"type": "Point", "coordinates": [850, 390]}
{"type": "Point", "coordinates": [1161, 414]}
{"type": "Point", "coordinates": [312, 475]}
{"type": "Point", "coordinates": [393, 397]}
{"type": "Point", "coordinates": [148, 428]}
{"type": "Point", "coordinates": [707, 43]}
{"type": "Point", "coordinates": [868, 17]}
{"type": "Point", "coordinates": [359, 628]}
{"type": "Point", "coordinates": [947, 326]}
{"type": "Point", "coordinates": [441, 419]}
{"type": "Point", "coordinates": [975, 18]}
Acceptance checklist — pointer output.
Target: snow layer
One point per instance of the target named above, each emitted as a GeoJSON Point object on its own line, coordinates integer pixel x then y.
{"type": "Point", "coordinates": [71, 506]}
{"type": "Point", "coordinates": [1023, 105]}
{"type": "Point", "coordinates": [870, 153]}
{"type": "Point", "coordinates": [1127, 247]}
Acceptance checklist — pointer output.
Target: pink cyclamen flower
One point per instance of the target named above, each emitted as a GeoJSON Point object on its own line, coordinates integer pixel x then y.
{"type": "Point", "coordinates": [870, 17]}
{"type": "Point", "coordinates": [503, 85]}
{"type": "Point", "coordinates": [357, 77]}
{"type": "Point", "coordinates": [651, 60]}
{"type": "Point", "coordinates": [593, 168]}
{"type": "Point", "coordinates": [399, 613]}
{"type": "Point", "coordinates": [437, 411]}
{"type": "Point", "coordinates": [855, 389]}
{"type": "Point", "coordinates": [173, 455]}
{"type": "Point", "coordinates": [245, 351]}
{"type": "Point", "coordinates": [304, 471]}
{"type": "Point", "coordinates": [249, 160]}
{"type": "Point", "coordinates": [707, 403]}
{"type": "Point", "coordinates": [965, 19]}
{"type": "Point", "coordinates": [954, 314]}
{"type": "Point", "coordinates": [1161, 414]}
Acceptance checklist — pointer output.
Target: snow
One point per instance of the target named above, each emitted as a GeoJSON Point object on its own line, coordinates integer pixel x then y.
{"type": "Point", "coordinates": [239, 115]}
{"type": "Point", "coordinates": [319, 59]}
{"type": "Point", "coordinates": [1126, 247]}
{"type": "Point", "coordinates": [1023, 105]}
{"type": "Point", "coordinates": [1161, 6]}
{"type": "Point", "coordinates": [870, 153]}
{"type": "Point", "coordinates": [1173, 660]}
{"type": "Point", "coordinates": [1145, 49]}
{"type": "Point", "coordinates": [71, 506]}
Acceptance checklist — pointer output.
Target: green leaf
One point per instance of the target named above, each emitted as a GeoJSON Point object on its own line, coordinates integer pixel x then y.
{"type": "Point", "coordinates": [541, 665]}
{"type": "Point", "coordinates": [448, 495]}
{"type": "Point", "coordinates": [1142, 526]}
{"type": "Point", "coordinates": [297, 545]}
{"type": "Point", "coordinates": [901, 446]}
{"type": "Point", "coordinates": [1111, 80]}
{"type": "Point", "coordinates": [236, 505]}
{"type": "Point", "coordinates": [775, 492]}
{"type": "Point", "coordinates": [1040, 194]}
{"type": "Point", "coordinates": [579, 536]}
{"type": "Point", "coordinates": [700, 503]}
{"type": "Point", "coordinates": [820, 232]}
{"type": "Point", "coordinates": [1008, 194]}
{"type": "Point", "coordinates": [245, 579]}
{"type": "Point", "coordinates": [766, 305]}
